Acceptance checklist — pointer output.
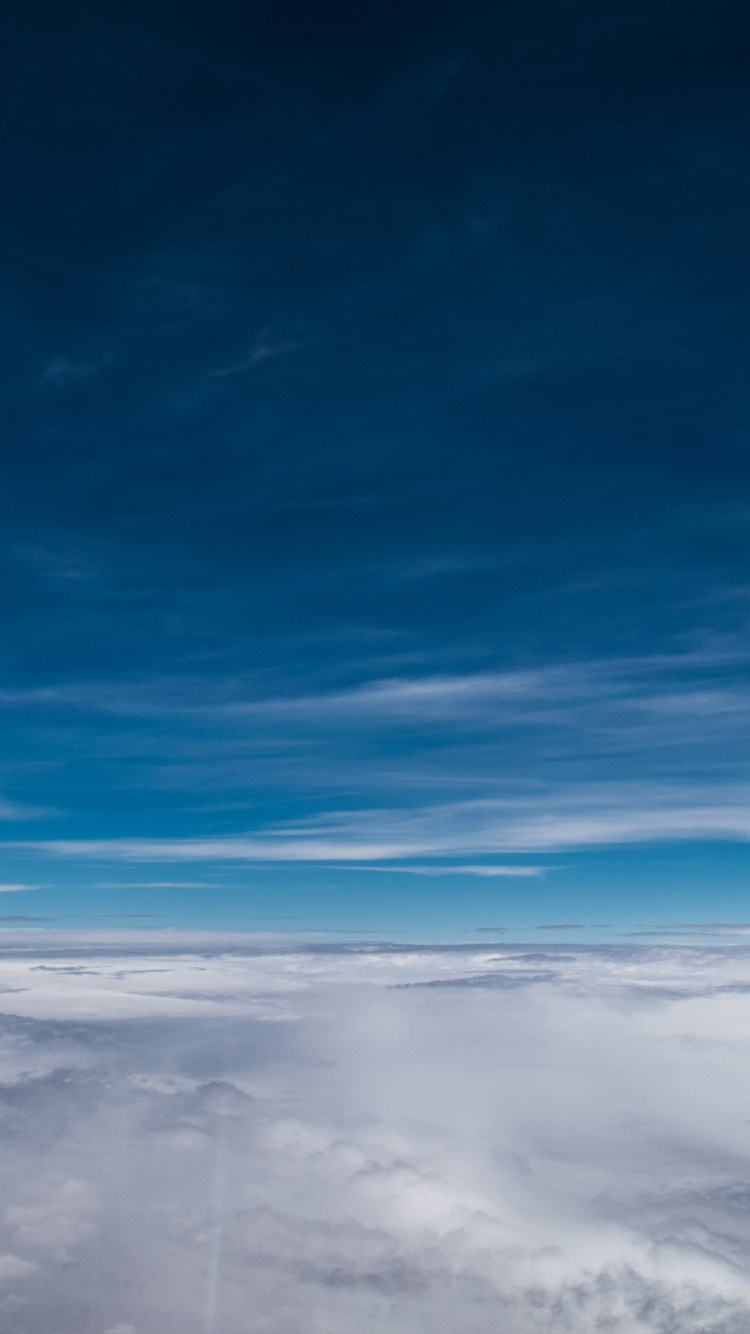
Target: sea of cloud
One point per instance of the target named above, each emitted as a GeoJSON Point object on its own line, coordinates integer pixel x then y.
{"type": "Point", "coordinates": [218, 1135]}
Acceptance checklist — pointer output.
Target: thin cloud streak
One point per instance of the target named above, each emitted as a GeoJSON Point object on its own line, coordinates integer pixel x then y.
{"type": "Point", "coordinates": [488, 871]}
{"type": "Point", "coordinates": [157, 884]}
{"type": "Point", "coordinates": [262, 351]}
{"type": "Point", "coordinates": [478, 827]}
{"type": "Point", "coordinates": [14, 810]}
{"type": "Point", "coordinates": [649, 682]}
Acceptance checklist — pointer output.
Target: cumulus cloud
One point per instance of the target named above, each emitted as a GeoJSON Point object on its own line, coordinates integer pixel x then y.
{"type": "Point", "coordinates": [200, 1131]}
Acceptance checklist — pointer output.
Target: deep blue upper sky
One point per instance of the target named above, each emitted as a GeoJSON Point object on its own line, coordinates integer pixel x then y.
{"type": "Point", "coordinates": [375, 476]}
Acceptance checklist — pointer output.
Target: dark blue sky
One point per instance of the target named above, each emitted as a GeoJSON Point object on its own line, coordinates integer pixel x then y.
{"type": "Point", "coordinates": [375, 480]}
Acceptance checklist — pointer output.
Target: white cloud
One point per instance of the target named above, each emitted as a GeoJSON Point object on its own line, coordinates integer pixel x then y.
{"type": "Point", "coordinates": [513, 1139]}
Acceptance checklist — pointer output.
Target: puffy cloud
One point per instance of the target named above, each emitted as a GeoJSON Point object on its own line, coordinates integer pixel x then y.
{"type": "Point", "coordinates": [201, 1136]}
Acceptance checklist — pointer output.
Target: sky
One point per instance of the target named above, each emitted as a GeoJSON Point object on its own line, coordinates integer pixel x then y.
{"type": "Point", "coordinates": [375, 488]}
{"type": "Point", "coordinates": [374, 705]}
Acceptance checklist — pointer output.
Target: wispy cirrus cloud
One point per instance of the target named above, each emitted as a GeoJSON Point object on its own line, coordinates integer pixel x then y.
{"type": "Point", "coordinates": [485, 871]}
{"type": "Point", "coordinates": [16, 810]}
{"type": "Point", "coordinates": [698, 683]}
{"type": "Point", "coordinates": [263, 350]}
{"type": "Point", "coordinates": [449, 735]}
{"type": "Point", "coordinates": [551, 821]}
{"type": "Point", "coordinates": [63, 371]}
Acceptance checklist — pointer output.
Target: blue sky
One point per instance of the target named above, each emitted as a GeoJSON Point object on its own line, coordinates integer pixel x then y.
{"type": "Point", "coordinates": [375, 501]}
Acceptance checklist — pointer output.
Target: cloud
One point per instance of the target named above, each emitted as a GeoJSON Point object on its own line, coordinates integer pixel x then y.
{"type": "Point", "coordinates": [63, 371]}
{"type": "Point", "coordinates": [14, 810]}
{"type": "Point", "coordinates": [337, 1136]}
{"type": "Point", "coordinates": [574, 818]}
{"type": "Point", "coordinates": [12, 1267]}
{"type": "Point", "coordinates": [57, 1224]}
{"type": "Point", "coordinates": [579, 754]}
{"type": "Point", "coordinates": [696, 929]}
{"type": "Point", "coordinates": [261, 351]}
{"type": "Point", "coordinates": [22, 917]}
{"type": "Point", "coordinates": [485, 981]}
{"type": "Point", "coordinates": [157, 884]}
{"type": "Point", "coordinates": [487, 871]}
{"type": "Point", "coordinates": [640, 694]}
{"type": "Point", "coordinates": [562, 926]}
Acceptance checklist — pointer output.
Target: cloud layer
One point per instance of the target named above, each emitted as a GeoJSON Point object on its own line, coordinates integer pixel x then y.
{"type": "Point", "coordinates": [202, 1131]}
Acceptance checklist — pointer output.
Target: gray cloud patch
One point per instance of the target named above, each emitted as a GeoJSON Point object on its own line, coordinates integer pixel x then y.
{"type": "Point", "coordinates": [485, 981]}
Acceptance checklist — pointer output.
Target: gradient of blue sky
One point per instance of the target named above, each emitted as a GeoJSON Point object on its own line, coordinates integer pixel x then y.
{"type": "Point", "coordinates": [375, 481]}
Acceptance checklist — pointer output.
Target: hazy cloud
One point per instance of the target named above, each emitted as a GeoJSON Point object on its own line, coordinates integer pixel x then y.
{"type": "Point", "coordinates": [12, 1267]}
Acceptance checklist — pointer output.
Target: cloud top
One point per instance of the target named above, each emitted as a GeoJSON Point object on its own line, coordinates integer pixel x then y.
{"type": "Point", "coordinates": [343, 1135]}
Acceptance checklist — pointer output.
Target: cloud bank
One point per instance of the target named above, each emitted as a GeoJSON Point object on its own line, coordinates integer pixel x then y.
{"type": "Point", "coordinates": [206, 1133]}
